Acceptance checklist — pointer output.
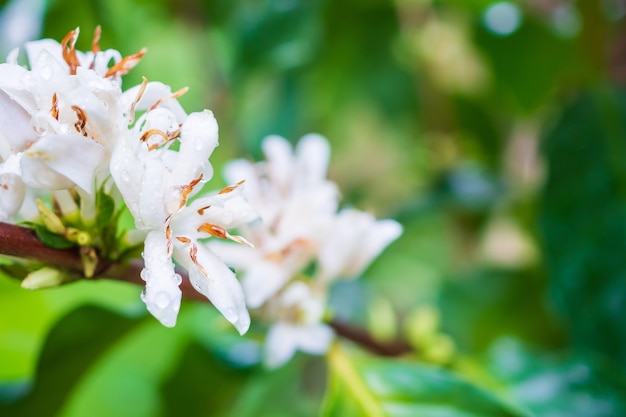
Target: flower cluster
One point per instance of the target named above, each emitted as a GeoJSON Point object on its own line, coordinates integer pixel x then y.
{"type": "Point", "coordinates": [67, 127]}
{"type": "Point", "coordinates": [302, 229]}
{"type": "Point", "coordinates": [76, 149]}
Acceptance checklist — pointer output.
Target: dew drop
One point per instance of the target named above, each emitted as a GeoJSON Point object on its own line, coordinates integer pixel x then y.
{"type": "Point", "coordinates": [162, 300]}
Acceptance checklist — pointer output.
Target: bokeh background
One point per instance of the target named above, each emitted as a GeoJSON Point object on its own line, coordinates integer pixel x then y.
{"type": "Point", "coordinates": [494, 131]}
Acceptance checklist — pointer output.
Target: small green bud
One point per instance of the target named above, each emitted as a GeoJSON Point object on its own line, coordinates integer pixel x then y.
{"type": "Point", "coordinates": [90, 261]}
{"type": "Point", "coordinates": [421, 325]}
{"type": "Point", "coordinates": [440, 350]}
{"type": "Point", "coordinates": [80, 237]}
{"type": "Point", "coordinates": [381, 319]}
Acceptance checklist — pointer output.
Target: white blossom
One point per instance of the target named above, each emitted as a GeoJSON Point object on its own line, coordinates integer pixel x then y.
{"type": "Point", "coordinates": [301, 226]}
{"type": "Point", "coordinates": [296, 325]}
{"type": "Point", "coordinates": [59, 118]}
{"type": "Point", "coordinates": [66, 124]}
{"type": "Point", "coordinates": [157, 182]}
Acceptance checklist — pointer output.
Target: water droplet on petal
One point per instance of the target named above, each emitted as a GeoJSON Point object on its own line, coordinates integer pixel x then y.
{"type": "Point", "coordinates": [162, 300]}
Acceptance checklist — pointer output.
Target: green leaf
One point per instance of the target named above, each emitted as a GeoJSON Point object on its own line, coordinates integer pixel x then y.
{"type": "Point", "coordinates": [26, 317]}
{"type": "Point", "coordinates": [74, 343]}
{"type": "Point", "coordinates": [583, 220]}
{"type": "Point", "coordinates": [566, 385]}
{"type": "Point", "coordinates": [105, 207]}
{"type": "Point", "coordinates": [52, 239]}
{"type": "Point", "coordinates": [362, 386]}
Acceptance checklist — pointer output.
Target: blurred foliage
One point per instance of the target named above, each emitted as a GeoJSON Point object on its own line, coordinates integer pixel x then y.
{"type": "Point", "coordinates": [503, 155]}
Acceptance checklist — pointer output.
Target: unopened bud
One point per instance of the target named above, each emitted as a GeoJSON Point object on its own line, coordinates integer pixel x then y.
{"type": "Point", "coordinates": [45, 277]}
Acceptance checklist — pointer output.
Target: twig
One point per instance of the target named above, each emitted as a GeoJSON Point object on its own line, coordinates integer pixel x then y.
{"type": "Point", "coordinates": [23, 243]}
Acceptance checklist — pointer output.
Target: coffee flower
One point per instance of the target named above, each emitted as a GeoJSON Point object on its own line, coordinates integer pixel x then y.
{"type": "Point", "coordinates": [301, 227]}
{"type": "Point", "coordinates": [157, 183]}
{"type": "Point", "coordinates": [67, 128]}
{"type": "Point", "coordinates": [59, 118]}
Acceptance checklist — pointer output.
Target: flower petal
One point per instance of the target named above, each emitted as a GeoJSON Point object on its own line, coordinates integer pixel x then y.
{"type": "Point", "coordinates": [356, 239]}
{"type": "Point", "coordinates": [162, 294]}
{"type": "Point", "coordinates": [312, 156]}
{"type": "Point", "coordinates": [279, 155]}
{"type": "Point", "coordinates": [262, 280]}
{"type": "Point", "coordinates": [212, 278]}
{"type": "Point", "coordinates": [15, 125]}
{"type": "Point", "coordinates": [73, 157]}
{"type": "Point", "coordinates": [284, 339]}
{"type": "Point", "coordinates": [198, 139]}
{"type": "Point", "coordinates": [12, 193]}
{"type": "Point", "coordinates": [280, 344]}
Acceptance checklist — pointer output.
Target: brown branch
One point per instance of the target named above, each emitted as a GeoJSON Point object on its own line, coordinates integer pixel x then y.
{"type": "Point", "coordinates": [23, 243]}
{"type": "Point", "coordinates": [364, 339]}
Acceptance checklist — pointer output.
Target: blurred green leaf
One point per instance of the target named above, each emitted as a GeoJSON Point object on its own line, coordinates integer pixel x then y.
{"type": "Point", "coordinates": [523, 81]}
{"type": "Point", "coordinates": [361, 386]}
{"type": "Point", "coordinates": [295, 389]}
{"type": "Point", "coordinates": [583, 220]}
{"type": "Point", "coordinates": [479, 307]}
{"type": "Point", "coordinates": [566, 386]}
{"type": "Point", "coordinates": [26, 317]}
{"type": "Point", "coordinates": [73, 345]}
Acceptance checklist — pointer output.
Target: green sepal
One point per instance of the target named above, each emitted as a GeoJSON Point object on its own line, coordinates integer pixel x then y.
{"type": "Point", "coordinates": [105, 208]}
{"type": "Point", "coordinates": [51, 239]}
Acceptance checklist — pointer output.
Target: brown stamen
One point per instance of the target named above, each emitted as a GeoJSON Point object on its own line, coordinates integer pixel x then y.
{"type": "Point", "coordinates": [231, 188]}
{"type": "Point", "coordinates": [142, 89]}
{"type": "Point", "coordinates": [201, 210]}
{"type": "Point", "coordinates": [187, 189]}
{"type": "Point", "coordinates": [82, 120]}
{"type": "Point", "coordinates": [183, 239]}
{"type": "Point", "coordinates": [193, 254]}
{"type": "Point", "coordinates": [213, 230]}
{"type": "Point", "coordinates": [174, 95]}
{"type": "Point", "coordinates": [69, 50]}
{"type": "Point", "coordinates": [125, 65]}
{"type": "Point", "coordinates": [54, 110]}
{"type": "Point", "coordinates": [220, 232]}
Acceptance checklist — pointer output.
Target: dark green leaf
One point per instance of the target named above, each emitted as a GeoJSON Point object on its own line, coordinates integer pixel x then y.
{"type": "Point", "coordinates": [52, 239]}
{"type": "Point", "coordinates": [105, 207]}
{"type": "Point", "coordinates": [583, 220]}
{"type": "Point", "coordinates": [565, 386]}
{"type": "Point", "coordinates": [86, 333]}
{"type": "Point", "coordinates": [392, 388]}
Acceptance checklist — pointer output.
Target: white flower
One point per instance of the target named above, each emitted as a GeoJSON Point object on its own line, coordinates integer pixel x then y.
{"type": "Point", "coordinates": [156, 183]}
{"type": "Point", "coordinates": [300, 227]}
{"type": "Point", "coordinates": [356, 239]}
{"type": "Point", "coordinates": [297, 325]}
{"type": "Point", "coordinates": [60, 118]}
{"type": "Point", "coordinates": [297, 204]}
